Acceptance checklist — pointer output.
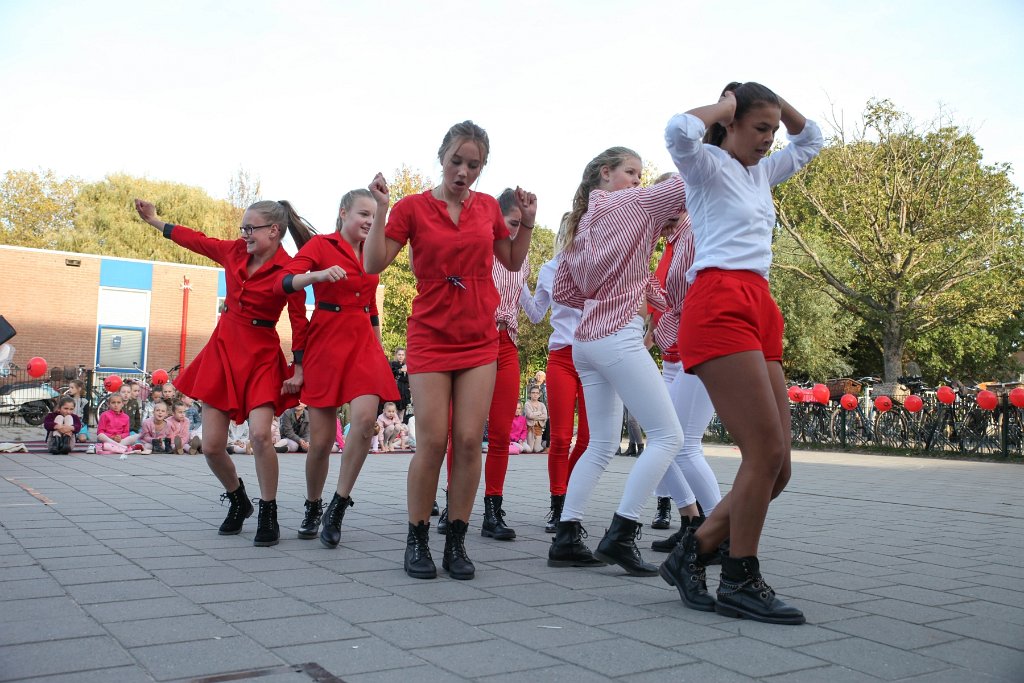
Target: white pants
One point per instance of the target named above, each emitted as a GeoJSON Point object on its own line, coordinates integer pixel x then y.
{"type": "Point", "coordinates": [690, 477]}
{"type": "Point", "coordinates": [612, 367]}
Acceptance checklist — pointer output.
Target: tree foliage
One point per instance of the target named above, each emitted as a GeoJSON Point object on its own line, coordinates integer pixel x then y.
{"type": "Point", "coordinates": [908, 230]}
{"type": "Point", "coordinates": [36, 208]}
{"type": "Point", "coordinates": [533, 338]}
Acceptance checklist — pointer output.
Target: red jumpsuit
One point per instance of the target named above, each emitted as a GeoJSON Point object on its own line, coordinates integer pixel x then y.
{"type": "Point", "coordinates": [242, 366]}
{"type": "Point", "coordinates": [452, 322]}
{"type": "Point", "coordinates": [342, 358]}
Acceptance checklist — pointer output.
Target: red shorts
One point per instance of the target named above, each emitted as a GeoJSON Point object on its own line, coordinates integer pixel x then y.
{"type": "Point", "coordinates": [727, 312]}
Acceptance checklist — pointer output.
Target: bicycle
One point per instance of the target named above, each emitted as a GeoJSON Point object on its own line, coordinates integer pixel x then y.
{"type": "Point", "coordinates": [851, 427]}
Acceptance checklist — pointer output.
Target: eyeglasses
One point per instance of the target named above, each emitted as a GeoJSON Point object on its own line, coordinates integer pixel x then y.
{"type": "Point", "coordinates": [246, 230]}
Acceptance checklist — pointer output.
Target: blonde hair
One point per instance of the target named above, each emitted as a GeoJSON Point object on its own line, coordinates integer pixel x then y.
{"type": "Point", "coordinates": [284, 214]}
{"type": "Point", "coordinates": [349, 199]}
{"type": "Point", "coordinates": [613, 157]}
{"type": "Point", "coordinates": [467, 131]}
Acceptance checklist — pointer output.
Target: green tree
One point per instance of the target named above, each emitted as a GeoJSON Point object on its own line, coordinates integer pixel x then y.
{"type": "Point", "coordinates": [908, 230]}
{"type": "Point", "coordinates": [533, 338]}
{"type": "Point", "coordinates": [36, 208]}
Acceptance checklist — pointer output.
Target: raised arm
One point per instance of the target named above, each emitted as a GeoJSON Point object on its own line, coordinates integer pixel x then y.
{"type": "Point", "coordinates": [512, 253]}
{"type": "Point", "coordinates": [193, 240]}
{"type": "Point", "coordinates": [537, 304]}
{"type": "Point", "coordinates": [378, 250]}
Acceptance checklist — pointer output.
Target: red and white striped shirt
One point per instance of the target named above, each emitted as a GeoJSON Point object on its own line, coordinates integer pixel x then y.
{"type": "Point", "coordinates": [669, 354]}
{"type": "Point", "coordinates": [606, 271]}
{"type": "Point", "coordinates": [510, 287]}
{"type": "Point", "coordinates": [666, 334]}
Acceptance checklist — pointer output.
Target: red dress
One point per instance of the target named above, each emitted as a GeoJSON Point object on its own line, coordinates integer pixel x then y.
{"type": "Point", "coordinates": [342, 358]}
{"type": "Point", "coordinates": [242, 366]}
{"type": "Point", "coordinates": [452, 322]}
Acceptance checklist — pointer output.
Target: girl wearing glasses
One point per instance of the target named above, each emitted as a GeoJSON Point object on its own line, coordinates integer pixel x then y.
{"type": "Point", "coordinates": [455, 235]}
{"type": "Point", "coordinates": [344, 359]}
{"type": "Point", "coordinates": [241, 373]}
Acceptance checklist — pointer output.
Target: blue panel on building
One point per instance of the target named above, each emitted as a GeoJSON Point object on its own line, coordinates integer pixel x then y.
{"type": "Point", "coordinates": [222, 284]}
{"type": "Point", "coordinates": [126, 274]}
{"type": "Point", "coordinates": [309, 296]}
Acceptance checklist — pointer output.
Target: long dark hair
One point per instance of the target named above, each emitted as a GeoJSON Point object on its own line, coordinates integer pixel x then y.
{"type": "Point", "coordinates": [748, 95]}
{"type": "Point", "coordinates": [283, 213]}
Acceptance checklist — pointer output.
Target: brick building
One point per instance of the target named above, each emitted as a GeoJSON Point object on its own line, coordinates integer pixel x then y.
{"type": "Point", "coordinates": [118, 310]}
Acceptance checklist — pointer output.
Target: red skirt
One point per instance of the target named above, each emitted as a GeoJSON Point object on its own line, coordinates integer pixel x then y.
{"type": "Point", "coordinates": [239, 369]}
{"type": "Point", "coordinates": [344, 360]}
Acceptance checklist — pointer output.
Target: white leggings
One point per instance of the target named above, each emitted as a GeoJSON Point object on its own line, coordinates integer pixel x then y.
{"type": "Point", "coordinates": [612, 367]}
{"type": "Point", "coordinates": [690, 473]}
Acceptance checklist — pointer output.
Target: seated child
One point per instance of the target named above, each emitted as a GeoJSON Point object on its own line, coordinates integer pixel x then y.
{"type": "Point", "coordinates": [194, 413]}
{"type": "Point", "coordinates": [238, 437]}
{"type": "Point", "coordinates": [295, 429]}
{"type": "Point", "coordinates": [61, 427]}
{"type": "Point", "coordinates": [156, 431]}
{"type": "Point", "coordinates": [393, 430]}
{"type": "Point", "coordinates": [339, 437]}
{"type": "Point", "coordinates": [179, 428]}
{"type": "Point", "coordinates": [517, 435]}
{"type": "Point", "coordinates": [112, 431]}
{"type": "Point", "coordinates": [536, 417]}
{"type": "Point", "coordinates": [76, 390]}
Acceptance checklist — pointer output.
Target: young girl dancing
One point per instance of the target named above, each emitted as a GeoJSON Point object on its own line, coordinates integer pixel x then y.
{"type": "Point", "coordinates": [730, 333]}
{"type": "Point", "coordinates": [605, 272]}
{"type": "Point", "coordinates": [454, 235]}
{"type": "Point", "coordinates": [241, 373]}
{"type": "Point", "coordinates": [343, 360]}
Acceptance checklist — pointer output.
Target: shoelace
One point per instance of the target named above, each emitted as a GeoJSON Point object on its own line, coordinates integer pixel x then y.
{"type": "Point", "coordinates": [235, 510]}
{"type": "Point", "coordinates": [338, 512]}
{"type": "Point", "coordinates": [312, 512]}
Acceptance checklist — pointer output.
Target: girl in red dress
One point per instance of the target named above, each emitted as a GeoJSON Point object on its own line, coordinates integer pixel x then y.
{"type": "Point", "coordinates": [241, 373]}
{"type": "Point", "coordinates": [454, 236]}
{"type": "Point", "coordinates": [344, 359]}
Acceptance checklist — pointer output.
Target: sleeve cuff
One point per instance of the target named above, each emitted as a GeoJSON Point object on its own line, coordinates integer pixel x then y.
{"type": "Point", "coordinates": [168, 229]}
{"type": "Point", "coordinates": [810, 132]}
{"type": "Point", "coordinates": [375, 320]}
{"type": "Point", "coordinates": [297, 357]}
{"type": "Point", "coordinates": [286, 283]}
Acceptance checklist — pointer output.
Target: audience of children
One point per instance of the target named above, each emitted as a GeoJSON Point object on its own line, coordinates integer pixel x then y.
{"type": "Point", "coordinates": [393, 433]}
{"type": "Point", "coordinates": [62, 427]}
{"type": "Point", "coordinates": [238, 437]}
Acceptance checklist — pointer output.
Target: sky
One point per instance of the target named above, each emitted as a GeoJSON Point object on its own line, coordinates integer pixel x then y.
{"type": "Point", "coordinates": [314, 97]}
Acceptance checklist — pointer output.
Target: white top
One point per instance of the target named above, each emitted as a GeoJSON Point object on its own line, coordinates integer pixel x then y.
{"type": "Point", "coordinates": [730, 204]}
{"type": "Point", "coordinates": [564, 320]}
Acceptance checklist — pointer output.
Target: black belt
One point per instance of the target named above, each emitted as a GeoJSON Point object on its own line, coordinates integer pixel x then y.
{"type": "Point", "coordinates": [335, 308]}
{"type": "Point", "coordinates": [256, 322]}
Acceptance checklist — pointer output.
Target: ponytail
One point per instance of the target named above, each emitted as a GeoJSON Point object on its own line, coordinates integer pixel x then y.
{"type": "Point", "coordinates": [613, 157]}
{"type": "Point", "coordinates": [748, 95]}
{"type": "Point", "coordinates": [283, 213]}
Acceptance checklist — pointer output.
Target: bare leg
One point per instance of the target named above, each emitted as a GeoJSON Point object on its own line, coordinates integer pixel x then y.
{"type": "Point", "coordinates": [262, 445]}
{"type": "Point", "coordinates": [363, 414]}
{"type": "Point", "coordinates": [322, 429]}
{"type": "Point", "coordinates": [431, 392]}
{"type": "Point", "coordinates": [471, 402]}
{"type": "Point", "coordinates": [215, 440]}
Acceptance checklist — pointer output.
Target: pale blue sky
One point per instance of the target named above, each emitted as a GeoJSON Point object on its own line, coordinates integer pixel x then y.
{"type": "Point", "coordinates": [315, 97]}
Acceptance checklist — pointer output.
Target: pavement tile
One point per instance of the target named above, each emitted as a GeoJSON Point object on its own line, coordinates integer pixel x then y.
{"type": "Point", "coordinates": [177, 629]}
{"type": "Point", "coordinates": [831, 674]}
{"type": "Point", "coordinates": [908, 611]}
{"type": "Point", "coordinates": [46, 629]}
{"type": "Point", "coordinates": [384, 608]}
{"type": "Point", "coordinates": [203, 657]}
{"type": "Point", "coordinates": [882, 661]}
{"type": "Point", "coordinates": [487, 611]}
{"type": "Point", "coordinates": [150, 608]}
{"type": "Point", "coordinates": [227, 592]}
{"type": "Point", "coordinates": [987, 629]}
{"type": "Point", "coordinates": [547, 632]}
{"type": "Point", "coordinates": [113, 591]}
{"type": "Point", "coordinates": [758, 658]}
{"type": "Point", "coordinates": [266, 608]}
{"type": "Point", "coordinates": [118, 572]}
{"type": "Point", "coordinates": [890, 631]}
{"type": "Point", "coordinates": [347, 657]}
{"type": "Point", "coordinates": [417, 632]}
{"type": "Point", "coordinates": [598, 612]}
{"type": "Point", "coordinates": [783, 637]}
{"type": "Point", "coordinates": [975, 656]}
{"type": "Point", "coordinates": [77, 654]}
{"type": "Point", "coordinates": [24, 589]}
{"type": "Point", "coordinates": [620, 656]}
{"type": "Point", "coordinates": [426, 672]}
{"type": "Point", "coordinates": [124, 674]}
{"type": "Point", "coordinates": [664, 631]}
{"type": "Point", "coordinates": [489, 658]}
{"type": "Point", "coordinates": [300, 630]}
{"type": "Point", "coordinates": [563, 674]}
{"type": "Point", "coordinates": [701, 672]}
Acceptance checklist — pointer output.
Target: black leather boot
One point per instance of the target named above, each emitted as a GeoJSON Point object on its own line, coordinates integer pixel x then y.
{"type": "Point", "coordinates": [267, 530]}
{"type": "Point", "coordinates": [455, 561]}
{"type": "Point", "coordinates": [239, 511]}
{"type": "Point", "coordinates": [631, 450]}
{"type": "Point", "coordinates": [157, 446]}
{"type": "Point", "coordinates": [168, 446]}
{"type": "Point", "coordinates": [310, 526]}
{"type": "Point", "coordinates": [556, 513]}
{"type": "Point", "coordinates": [418, 562]}
{"type": "Point", "coordinates": [435, 511]}
{"type": "Point", "coordinates": [330, 533]}
{"type": "Point", "coordinates": [619, 547]}
{"type": "Point", "coordinates": [663, 517]}
{"type": "Point", "coordinates": [668, 544]}
{"type": "Point", "coordinates": [684, 569]}
{"type": "Point", "coordinates": [442, 522]}
{"type": "Point", "coordinates": [639, 449]}
{"type": "Point", "coordinates": [494, 521]}
{"type": "Point", "coordinates": [743, 593]}
{"type": "Point", "coordinates": [568, 549]}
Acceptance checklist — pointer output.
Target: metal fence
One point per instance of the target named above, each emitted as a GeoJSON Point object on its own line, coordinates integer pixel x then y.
{"type": "Point", "coordinates": [25, 400]}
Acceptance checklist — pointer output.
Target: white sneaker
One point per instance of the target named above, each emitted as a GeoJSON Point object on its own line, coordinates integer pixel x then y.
{"type": "Point", "coordinates": [91, 450]}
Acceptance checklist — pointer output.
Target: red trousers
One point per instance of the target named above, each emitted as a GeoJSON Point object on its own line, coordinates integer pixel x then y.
{"type": "Point", "coordinates": [564, 391]}
{"type": "Point", "coordinates": [499, 419]}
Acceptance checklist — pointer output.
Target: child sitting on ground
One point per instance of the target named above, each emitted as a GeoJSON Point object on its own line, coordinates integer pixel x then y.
{"type": "Point", "coordinates": [179, 428]}
{"type": "Point", "coordinates": [112, 431]}
{"type": "Point", "coordinates": [238, 438]}
{"type": "Point", "coordinates": [194, 413]}
{"type": "Point", "coordinates": [133, 405]}
{"type": "Point", "coordinates": [76, 390]}
{"type": "Point", "coordinates": [517, 435]}
{"type": "Point", "coordinates": [156, 431]}
{"type": "Point", "coordinates": [61, 427]}
{"type": "Point", "coordinates": [536, 417]}
{"type": "Point", "coordinates": [393, 430]}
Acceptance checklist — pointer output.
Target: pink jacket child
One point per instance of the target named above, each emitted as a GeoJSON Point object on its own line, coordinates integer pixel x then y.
{"type": "Point", "coordinates": [112, 433]}
{"type": "Point", "coordinates": [517, 435]}
{"type": "Point", "coordinates": [339, 435]}
{"type": "Point", "coordinates": [156, 432]}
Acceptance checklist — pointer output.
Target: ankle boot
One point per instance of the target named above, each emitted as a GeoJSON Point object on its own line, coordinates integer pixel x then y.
{"type": "Point", "coordinates": [267, 531]}
{"type": "Point", "coordinates": [455, 561]}
{"type": "Point", "coordinates": [435, 511]}
{"type": "Point", "coordinates": [663, 517]}
{"type": "Point", "coordinates": [311, 520]}
{"type": "Point", "coordinates": [195, 444]}
{"type": "Point", "coordinates": [442, 522]}
{"type": "Point", "coordinates": [567, 547]}
{"type": "Point", "coordinates": [668, 544]}
{"type": "Point", "coordinates": [240, 510]}
{"type": "Point", "coordinates": [494, 520]}
{"type": "Point", "coordinates": [743, 593]}
{"type": "Point", "coordinates": [157, 446]}
{"type": "Point", "coordinates": [684, 569]}
{"type": "Point", "coordinates": [619, 547]}
{"type": "Point", "coordinates": [556, 513]}
{"type": "Point", "coordinates": [330, 534]}
{"type": "Point", "coordinates": [168, 446]}
{"type": "Point", "coordinates": [418, 562]}
{"type": "Point", "coordinates": [631, 450]}
{"type": "Point", "coordinates": [639, 449]}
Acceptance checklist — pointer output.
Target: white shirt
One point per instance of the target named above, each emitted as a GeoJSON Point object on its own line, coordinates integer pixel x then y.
{"type": "Point", "coordinates": [564, 320]}
{"type": "Point", "coordinates": [730, 204]}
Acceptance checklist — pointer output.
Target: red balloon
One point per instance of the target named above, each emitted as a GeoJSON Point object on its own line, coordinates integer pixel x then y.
{"type": "Point", "coordinates": [945, 395]}
{"type": "Point", "coordinates": [112, 383]}
{"type": "Point", "coordinates": [36, 367]}
{"type": "Point", "coordinates": [160, 377]}
{"type": "Point", "coordinates": [1017, 397]}
{"type": "Point", "coordinates": [987, 400]}
{"type": "Point", "coordinates": [849, 401]}
{"type": "Point", "coordinates": [821, 393]}
{"type": "Point", "coordinates": [913, 403]}
{"type": "Point", "coordinates": [796, 394]}
{"type": "Point", "coordinates": [883, 403]}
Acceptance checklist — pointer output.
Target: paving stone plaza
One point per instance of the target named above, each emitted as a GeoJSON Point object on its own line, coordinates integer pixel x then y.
{"type": "Point", "coordinates": [908, 569]}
